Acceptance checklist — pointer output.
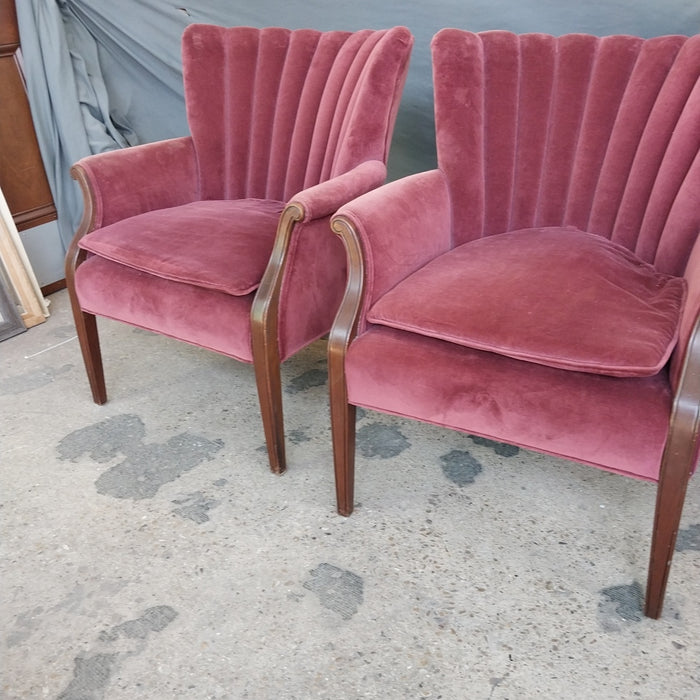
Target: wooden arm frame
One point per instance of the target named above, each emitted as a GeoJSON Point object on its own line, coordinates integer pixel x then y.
{"type": "Point", "coordinates": [264, 317]}
{"type": "Point", "coordinates": [86, 324]}
{"type": "Point", "coordinates": [342, 334]}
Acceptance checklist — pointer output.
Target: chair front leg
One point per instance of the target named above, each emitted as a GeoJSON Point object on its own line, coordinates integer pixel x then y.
{"type": "Point", "coordinates": [343, 429]}
{"type": "Point", "coordinates": [676, 468]}
{"type": "Point", "coordinates": [86, 327]}
{"type": "Point", "coordinates": [342, 424]}
{"type": "Point", "coordinates": [669, 507]}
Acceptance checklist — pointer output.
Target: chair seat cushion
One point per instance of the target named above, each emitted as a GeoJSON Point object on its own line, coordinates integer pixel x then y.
{"type": "Point", "coordinates": [222, 245]}
{"type": "Point", "coordinates": [554, 296]}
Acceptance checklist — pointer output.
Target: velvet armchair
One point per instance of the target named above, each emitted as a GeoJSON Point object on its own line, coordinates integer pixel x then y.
{"type": "Point", "coordinates": [221, 238]}
{"type": "Point", "coordinates": [541, 286]}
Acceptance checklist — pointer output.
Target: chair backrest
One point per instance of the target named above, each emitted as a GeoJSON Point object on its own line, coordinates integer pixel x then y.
{"type": "Point", "coordinates": [273, 111]}
{"type": "Point", "coordinates": [597, 133]}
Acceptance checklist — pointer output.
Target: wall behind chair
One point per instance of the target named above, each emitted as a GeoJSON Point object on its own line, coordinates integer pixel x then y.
{"type": "Point", "coordinates": [126, 60]}
{"type": "Point", "coordinates": [413, 147]}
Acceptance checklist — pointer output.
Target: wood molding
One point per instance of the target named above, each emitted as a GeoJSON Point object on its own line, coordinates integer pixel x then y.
{"type": "Point", "coordinates": [32, 308]}
{"type": "Point", "coordinates": [22, 175]}
{"type": "Point", "coordinates": [54, 287]}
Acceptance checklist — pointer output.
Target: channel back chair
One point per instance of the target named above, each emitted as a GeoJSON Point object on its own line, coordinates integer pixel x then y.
{"type": "Point", "coordinates": [222, 238]}
{"type": "Point", "coordinates": [541, 286]}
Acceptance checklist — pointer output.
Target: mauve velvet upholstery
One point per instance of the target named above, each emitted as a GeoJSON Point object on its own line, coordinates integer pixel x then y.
{"type": "Point", "coordinates": [555, 296]}
{"type": "Point", "coordinates": [555, 411]}
{"type": "Point", "coordinates": [172, 308]}
{"type": "Point", "coordinates": [577, 133]}
{"type": "Point", "coordinates": [223, 245]}
{"type": "Point", "coordinates": [596, 133]}
{"type": "Point", "coordinates": [691, 310]}
{"type": "Point", "coordinates": [300, 121]}
{"type": "Point", "coordinates": [182, 229]}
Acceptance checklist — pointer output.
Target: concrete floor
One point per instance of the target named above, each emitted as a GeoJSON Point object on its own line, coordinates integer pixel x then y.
{"type": "Point", "coordinates": [149, 553]}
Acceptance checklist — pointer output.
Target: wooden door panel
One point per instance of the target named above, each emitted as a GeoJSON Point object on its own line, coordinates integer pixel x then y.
{"type": "Point", "coordinates": [22, 176]}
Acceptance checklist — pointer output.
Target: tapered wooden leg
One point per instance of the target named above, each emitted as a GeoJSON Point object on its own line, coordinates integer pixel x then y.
{"type": "Point", "coordinates": [676, 467]}
{"type": "Point", "coordinates": [85, 323]}
{"type": "Point", "coordinates": [669, 506]}
{"type": "Point", "coordinates": [343, 427]}
{"type": "Point", "coordinates": [92, 357]}
{"type": "Point", "coordinates": [268, 379]}
{"type": "Point", "coordinates": [89, 339]}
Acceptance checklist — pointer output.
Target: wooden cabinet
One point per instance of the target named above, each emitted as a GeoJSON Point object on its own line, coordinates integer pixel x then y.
{"type": "Point", "coordinates": [22, 176]}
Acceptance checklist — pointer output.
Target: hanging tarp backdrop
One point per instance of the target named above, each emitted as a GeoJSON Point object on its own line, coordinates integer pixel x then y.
{"type": "Point", "coordinates": [103, 74]}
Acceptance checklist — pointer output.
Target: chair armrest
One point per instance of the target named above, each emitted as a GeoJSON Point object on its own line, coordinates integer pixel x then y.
{"type": "Point", "coordinates": [683, 443]}
{"type": "Point", "coordinates": [690, 317]}
{"type": "Point", "coordinates": [391, 232]}
{"type": "Point", "coordinates": [388, 234]}
{"type": "Point", "coordinates": [130, 181]}
{"type": "Point", "coordinates": [327, 197]}
{"type": "Point", "coordinates": [305, 250]}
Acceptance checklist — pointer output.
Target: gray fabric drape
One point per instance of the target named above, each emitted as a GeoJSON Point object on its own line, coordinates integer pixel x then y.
{"type": "Point", "coordinates": [81, 65]}
{"type": "Point", "coordinates": [103, 74]}
{"type": "Point", "coordinates": [53, 97]}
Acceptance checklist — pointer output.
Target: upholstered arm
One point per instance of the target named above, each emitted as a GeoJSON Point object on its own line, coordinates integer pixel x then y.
{"type": "Point", "coordinates": [327, 197]}
{"type": "Point", "coordinates": [130, 181]}
{"type": "Point", "coordinates": [303, 284]}
{"type": "Point", "coordinates": [690, 319]}
{"type": "Point", "coordinates": [384, 235]}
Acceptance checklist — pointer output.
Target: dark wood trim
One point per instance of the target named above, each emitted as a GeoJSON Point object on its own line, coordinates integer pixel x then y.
{"type": "Point", "coordinates": [264, 316]}
{"type": "Point", "coordinates": [9, 29]}
{"type": "Point", "coordinates": [35, 217]}
{"type": "Point", "coordinates": [22, 173]}
{"type": "Point", "coordinates": [342, 334]}
{"type": "Point", "coordinates": [676, 467]}
{"type": "Point", "coordinates": [54, 287]}
{"type": "Point", "coordinates": [85, 324]}
{"type": "Point", "coordinates": [87, 221]}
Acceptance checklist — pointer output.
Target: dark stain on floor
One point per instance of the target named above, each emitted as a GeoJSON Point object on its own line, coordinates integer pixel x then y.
{"type": "Point", "coordinates": [502, 449]}
{"type": "Point", "coordinates": [154, 619]}
{"type": "Point", "coordinates": [624, 602]}
{"type": "Point", "coordinates": [689, 539]}
{"type": "Point", "coordinates": [307, 380]}
{"type": "Point", "coordinates": [195, 506]}
{"type": "Point", "coordinates": [460, 467]}
{"type": "Point", "coordinates": [93, 671]}
{"type": "Point", "coordinates": [146, 467]}
{"type": "Point", "coordinates": [337, 589]}
{"type": "Point", "coordinates": [297, 436]}
{"type": "Point", "coordinates": [382, 441]}
{"type": "Point", "coordinates": [91, 675]}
